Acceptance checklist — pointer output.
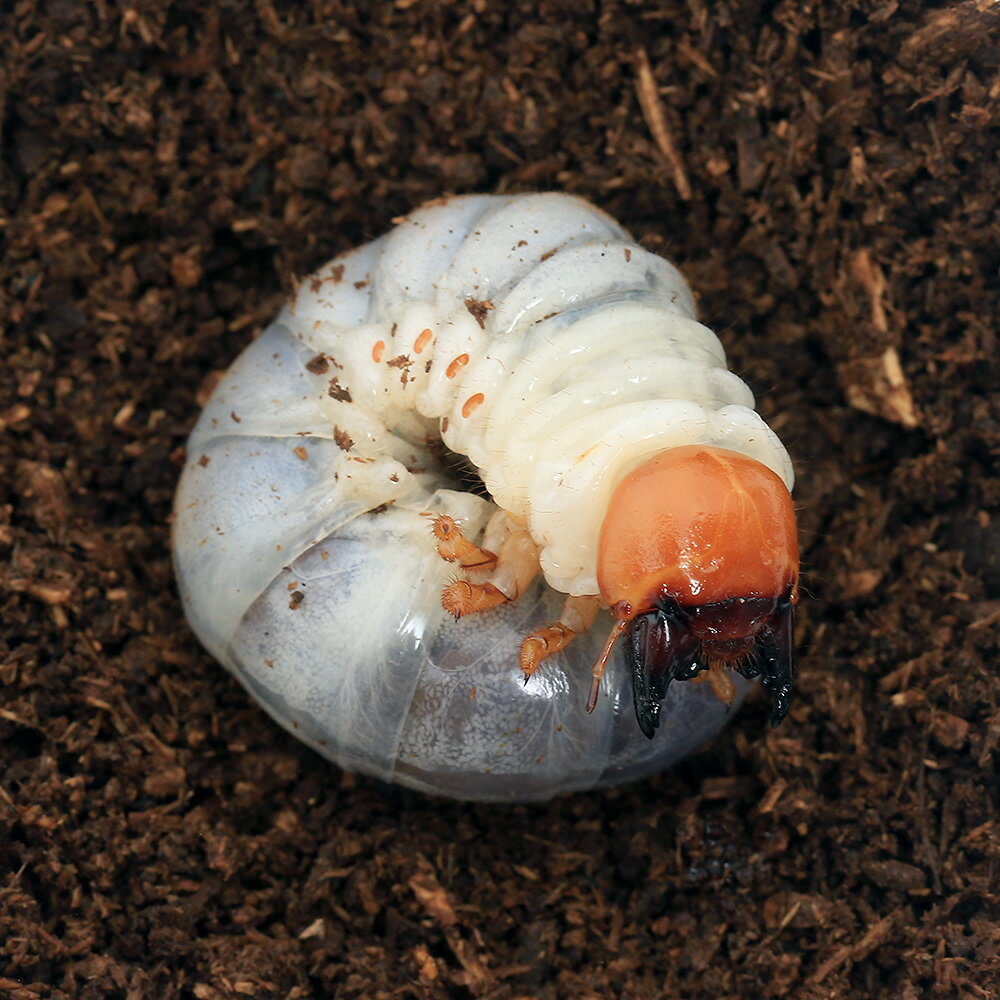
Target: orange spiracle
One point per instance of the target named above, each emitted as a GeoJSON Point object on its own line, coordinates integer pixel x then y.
{"type": "Point", "coordinates": [456, 365]}
{"type": "Point", "coordinates": [472, 404]}
{"type": "Point", "coordinates": [422, 341]}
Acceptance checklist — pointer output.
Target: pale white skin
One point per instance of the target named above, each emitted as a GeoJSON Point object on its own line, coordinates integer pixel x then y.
{"type": "Point", "coordinates": [303, 550]}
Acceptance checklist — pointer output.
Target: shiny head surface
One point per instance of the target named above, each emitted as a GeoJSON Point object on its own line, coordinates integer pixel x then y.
{"type": "Point", "coordinates": [699, 558]}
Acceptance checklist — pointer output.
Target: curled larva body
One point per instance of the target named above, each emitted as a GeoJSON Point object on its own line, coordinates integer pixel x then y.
{"type": "Point", "coordinates": [529, 334]}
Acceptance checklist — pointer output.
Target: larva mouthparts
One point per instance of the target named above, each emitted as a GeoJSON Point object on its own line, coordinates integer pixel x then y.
{"type": "Point", "coordinates": [532, 336]}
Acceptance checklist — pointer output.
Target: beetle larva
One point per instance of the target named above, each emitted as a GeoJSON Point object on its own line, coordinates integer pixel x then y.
{"type": "Point", "coordinates": [320, 528]}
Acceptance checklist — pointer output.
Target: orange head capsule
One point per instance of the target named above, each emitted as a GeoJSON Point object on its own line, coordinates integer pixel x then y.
{"type": "Point", "coordinates": [699, 562]}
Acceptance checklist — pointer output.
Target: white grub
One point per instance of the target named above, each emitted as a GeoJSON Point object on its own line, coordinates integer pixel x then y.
{"type": "Point", "coordinates": [559, 355]}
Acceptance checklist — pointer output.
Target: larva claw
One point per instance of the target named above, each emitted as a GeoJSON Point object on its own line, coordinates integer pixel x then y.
{"type": "Point", "coordinates": [659, 648]}
{"type": "Point", "coordinates": [533, 650]}
{"type": "Point", "coordinates": [774, 655]}
{"type": "Point", "coordinates": [542, 643]}
{"type": "Point", "coordinates": [464, 598]}
{"type": "Point", "coordinates": [454, 547]}
{"type": "Point", "coordinates": [674, 643]}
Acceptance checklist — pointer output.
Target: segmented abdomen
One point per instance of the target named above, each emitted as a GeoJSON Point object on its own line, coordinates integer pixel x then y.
{"type": "Point", "coordinates": [545, 344]}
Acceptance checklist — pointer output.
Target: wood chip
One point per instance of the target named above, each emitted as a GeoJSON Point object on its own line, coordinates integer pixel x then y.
{"type": "Point", "coordinates": [656, 121]}
{"type": "Point", "coordinates": [878, 386]}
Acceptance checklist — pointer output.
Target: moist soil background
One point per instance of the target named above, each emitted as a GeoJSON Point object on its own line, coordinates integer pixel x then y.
{"type": "Point", "coordinates": [825, 173]}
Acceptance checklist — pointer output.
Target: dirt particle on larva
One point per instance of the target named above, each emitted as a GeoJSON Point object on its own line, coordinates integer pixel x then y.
{"type": "Point", "coordinates": [478, 310]}
{"type": "Point", "coordinates": [546, 256]}
{"type": "Point", "coordinates": [342, 439]}
{"type": "Point", "coordinates": [318, 280]}
{"type": "Point", "coordinates": [422, 341]}
{"type": "Point", "coordinates": [402, 362]}
{"type": "Point", "coordinates": [456, 365]}
{"type": "Point", "coordinates": [301, 453]}
{"type": "Point", "coordinates": [361, 284]}
{"type": "Point", "coordinates": [203, 461]}
{"type": "Point", "coordinates": [472, 404]}
{"type": "Point", "coordinates": [628, 255]}
{"type": "Point", "coordinates": [377, 350]}
{"type": "Point", "coordinates": [233, 417]}
{"type": "Point", "coordinates": [318, 365]}
{"type": "Point", "coordinates": [338, 392]}
{"type": "Point", "coordinates": [444, 425]}
{"type": "Point", "coordinates": [428, 365]}
{"type": "Point", "coordinates": [296, 600]}
{"type": "Point", "coordinates": [522, 243]}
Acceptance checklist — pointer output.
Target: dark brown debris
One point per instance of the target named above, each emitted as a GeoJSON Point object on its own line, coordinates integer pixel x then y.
{"type": "Point", "coordinates": [478, 310]}
{"type": "Point", "coordinates": [337, 391]}
{"type": "Point", "coordinates": [342, 439]}
{"type": "Point", "coordinates": [318, 365]}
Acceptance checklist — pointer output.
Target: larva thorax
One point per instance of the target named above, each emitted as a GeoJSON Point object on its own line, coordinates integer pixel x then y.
{"type": "Point", "coordinates": [533, 336]}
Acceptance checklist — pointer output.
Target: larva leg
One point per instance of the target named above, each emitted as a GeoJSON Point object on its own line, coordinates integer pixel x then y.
{"type": "Point", "coordinates": [453, 546]}
{"type": "Point", "coordinates": [577, 616]}
{"type": "Point", "coordinates": [722, 683]}
{"type": "Point", "coordinates": [514, 567]}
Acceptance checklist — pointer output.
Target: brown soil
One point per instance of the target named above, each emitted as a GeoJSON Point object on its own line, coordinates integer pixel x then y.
{"type": "Point", "coordinates": [826, 173]}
